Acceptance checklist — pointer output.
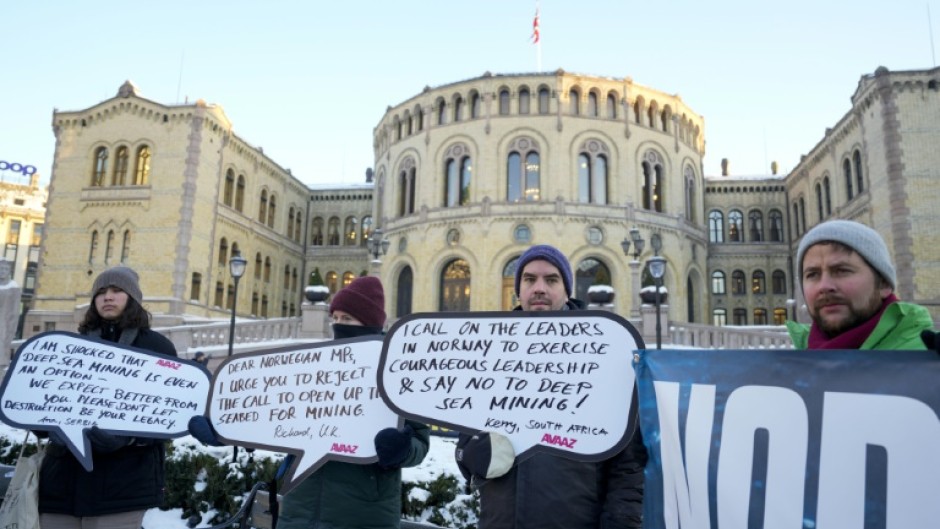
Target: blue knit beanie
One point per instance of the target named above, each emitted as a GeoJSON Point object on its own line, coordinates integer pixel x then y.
{"type": "Point", "coordinates": [859, 237]}
{"type": "Point", "coordinates": [545, 253]}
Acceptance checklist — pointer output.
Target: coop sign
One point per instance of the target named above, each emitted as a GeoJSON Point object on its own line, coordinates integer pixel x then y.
{"type": "Point", "coordinates": [25, 170]}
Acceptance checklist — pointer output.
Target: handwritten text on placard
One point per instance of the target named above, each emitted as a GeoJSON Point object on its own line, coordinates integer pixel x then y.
{"type": "Point", "coordinates": [319, 401]}
{"type": "Point", "coordinates": [67, 383]}
{"type": "Point", "coordinates": [559, 380]}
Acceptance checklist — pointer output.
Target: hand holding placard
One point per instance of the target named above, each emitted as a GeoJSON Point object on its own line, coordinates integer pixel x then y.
{"type": "Point", "coordinates": [559, 381]}
{"type": "Point", "coordinates": [68, 383]}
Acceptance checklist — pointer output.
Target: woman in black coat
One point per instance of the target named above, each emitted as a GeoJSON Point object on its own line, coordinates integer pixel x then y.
{"type": "Point", "coordinates": [128, 474]}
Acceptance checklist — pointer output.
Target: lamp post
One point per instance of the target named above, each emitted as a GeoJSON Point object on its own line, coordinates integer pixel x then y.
{"type": "Point", "coordinates": [378, 244]}
{"type": "Point", "coordinates": [236, 267]}
{"type": "Point", "coordinates": [638, 245]}
{"type": "Point", "coordinates": [657, 266]}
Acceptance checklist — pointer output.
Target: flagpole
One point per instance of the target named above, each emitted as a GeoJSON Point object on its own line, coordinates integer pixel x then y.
{"type": "Point", "coordinates": [537, 40]}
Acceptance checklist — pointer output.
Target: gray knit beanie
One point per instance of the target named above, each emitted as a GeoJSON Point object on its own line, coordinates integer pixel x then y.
{"type": "Point", "coordinates": [859, 237]}
{"type": "Point", "coordinates": [122, 277]}
{"type": "Point", "coordinates": [550, 254]}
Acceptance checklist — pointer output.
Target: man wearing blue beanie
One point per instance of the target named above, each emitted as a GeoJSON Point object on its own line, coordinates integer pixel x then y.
{"type": "Point", "coordinates": [547, 490]}
{"type": "Point", "coordinates": [848, 282]}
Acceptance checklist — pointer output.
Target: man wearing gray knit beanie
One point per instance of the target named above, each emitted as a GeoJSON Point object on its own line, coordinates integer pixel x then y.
{"type": "Point", "coordinates": [848, 283]}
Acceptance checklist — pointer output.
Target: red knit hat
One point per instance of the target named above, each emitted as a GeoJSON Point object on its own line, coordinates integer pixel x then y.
{"type": "Point", "coordinates": [363, 299]}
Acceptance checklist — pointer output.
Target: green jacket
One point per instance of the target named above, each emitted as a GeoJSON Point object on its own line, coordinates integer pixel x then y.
{"type": "Point", "coordinates": [898, 330]}
{"type": "Point", "coordinates": [350, 496]}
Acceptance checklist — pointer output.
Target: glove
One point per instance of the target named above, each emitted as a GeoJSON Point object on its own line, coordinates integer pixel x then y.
{"type": "Point", "coordinates": [200, 428]}
{"type": "Point", "coordinates": [105, 443]}
{"type": "Point", "coordinates": [393, 446]}
{"type": "Point", "coordinates": [931, 340]}
{"type": "Point", "coordinates": [486, 455]}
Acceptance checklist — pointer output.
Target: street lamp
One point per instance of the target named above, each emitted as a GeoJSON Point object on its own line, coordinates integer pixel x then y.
{"type": "Point", "coordinates": [236, 267]}
{"type": "Point", "coordinates": [657, 266]}
{"type": "Point", "coordinates": [378, 244]}
{"type": "Point", "coordinates": [638, 245]}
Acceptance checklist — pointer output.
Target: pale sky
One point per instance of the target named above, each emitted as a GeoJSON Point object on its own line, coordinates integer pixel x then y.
{"type": "Point", "coordinates": [309, 80]}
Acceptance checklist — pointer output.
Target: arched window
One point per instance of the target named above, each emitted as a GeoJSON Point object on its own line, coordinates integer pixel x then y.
{"type": "Point", "coordinates": [254, 304]}
{"type": "Point", "coordinates": [142, 170]}
{"type": "Point", "coordinates": [126, 246]}
{"type": "Point", "coordinates": [272, 210]}
{"type": "Point", "coordinates": [474, 104]}
{"type": "Point", "coordinates": [196, 287]}
{"type": "Point", "coordinates": [780, 316]}
{"type": "Point", "coordinates": [332, 281]}
{"type": "Point", "coordinates": [267, 269]}
{"type": "Point", "coordinates": [109, 247]}
{"type": "Point", "coordinates": [523, 182]}
{"type": "Point", "coordinates": [857, 160]}
{"type": "Point", "coordinates": [264, 305]}
{"type": "Point", "coordinates": [504, 102]}
{"type": "Point", "coordinates": [739, 316]}
{"type": "Point", "coordinates": [760, 316]}
{"type": "Point", "coordinates": [847, 170]}
{"type": "Point", "coordinates": [574, 102]}
{"type": "Point", "coordinates": [458, 170]}
{"type": "Point", "coordinates": [718, 283]}
{"type": "Point", "coordinates": [611, 106]}
{"type": "Point", "coordinates": [223, 252]}
{"type": "Point", "coordinates": [796, 219]}
{"type": "Point", "coordinates": [290, 223]}
{"type": "Point", "coordinates": [101, 167]}
{"type": "Point", "coordinates": [758, 282]}
{"type": "Point", "coordinates": [819, 202]}
{"type": "Point", "coordinates": [586, 274]}
{"type": "Point", "coordinates": [802, 214]}
{"type": "Point", "coordinates": [827, 196]}
{"type": "Point", "coordinates": [263, 207]}
{"type": "Point", "coordinates": [332, 232]}
{"type": "Point", "coordinates": [690, 199]}
{"type": "Point", "coordinates": [349, 231]}
{"type": "Point", "coordinates": [219, 292]}
{"type": "Point", "coordinates": [716, 226]}
{"type": "Point", "coordinates": [404, 292]}
{"type": "Point", "coordinates": [259, 267]}
{"type": "Point", "coordinates": [592, 105]}
{"type": "Point", "coordinates": [441, 111]}
{"type": "Point", "coordinates": [735, 226]}
{"type": "Point", "coordinates": [719, 317]}
{"type": "Point", "coordinates": [653, 176]}
{"type": "Point", "coordinates": [120, 167]}
{"type": "Point", "coordinates": [524, 100]}
{"type": "Point", "coordinates": [316, 232]}
{"type": "Point", "coordinates": [93, 247]}
{"type": "Point", "coordinates": [755, 220]}
{"type": "Point", "coordinates": [348, 278]}
{"type": "Point", "coordinates": [228, 189]}
{"type": "Point", "coordinates": [776, 225]}
{"type": "Point", "coordinates": [544, 95]}
{"type": "Point", "coordinates": [737, 283]}
{"type": "Point", "coordinates": [458, 108]}
{"type": "Point", "coordinates": [778, 280]}
{"type": "Point", "coordinates": [419, 118]}
{"type": "Point", "coordinates": [240, 194]}
{"type": "Point", "coordinates": [407, 180]}
{"type": "Point", "coordinates": [592, 173]}
{"type": "Point", "coordinates": [367, 229]}
{"type": "Point", "coordinates": [455, 287]}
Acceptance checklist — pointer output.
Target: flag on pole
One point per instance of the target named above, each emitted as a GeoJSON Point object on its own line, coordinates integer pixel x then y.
{"type": "Point", "coordinates": [535, 27]}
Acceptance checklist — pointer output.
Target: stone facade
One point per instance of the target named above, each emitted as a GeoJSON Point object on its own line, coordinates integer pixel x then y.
{"type": "Point", "coordinates": [22, 222]}
{"type": "Point", "coordinates": [466, 176]}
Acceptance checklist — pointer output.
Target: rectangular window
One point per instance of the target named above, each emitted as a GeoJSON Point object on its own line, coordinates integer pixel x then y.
{"type": "Point", "coordinates": [9, 253]}
{"type": "Point", "coordinates": [13, 234]}
{"type": "Point", "coordinates": [196, 287]}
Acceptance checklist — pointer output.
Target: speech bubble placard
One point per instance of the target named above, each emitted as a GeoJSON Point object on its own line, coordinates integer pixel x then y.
{"type": "Point", "coordinates": [561, 381]}
{"type": "Point", "coordinates": [318, 401]}
{"type": "Point", "coordinates": [66, 383]}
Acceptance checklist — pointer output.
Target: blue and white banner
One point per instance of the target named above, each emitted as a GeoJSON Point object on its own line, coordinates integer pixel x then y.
{"type": "Point", "coordinates": [778, 439]}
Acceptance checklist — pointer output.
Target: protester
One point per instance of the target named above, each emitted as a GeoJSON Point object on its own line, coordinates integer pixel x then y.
{"type": "Point", "coordinates": [848, 282]}
{"type": "Point", "coordinates": [546, 490]}
{"type": "Point", "coordinates": [128, 474]}
{"type": "Point", "coordinates": [343, 495]}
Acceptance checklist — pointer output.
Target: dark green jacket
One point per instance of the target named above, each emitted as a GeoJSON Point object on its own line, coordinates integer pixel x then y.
{"type": "Point", "coordinates": [898, 330]}
{"type": "Point", "coordinates": [347, 496]}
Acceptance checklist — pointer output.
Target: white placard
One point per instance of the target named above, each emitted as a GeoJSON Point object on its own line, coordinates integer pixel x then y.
{"type": "Point", "coordinates": [552, 381]}
{"type": "Point", "coordinates": [319, 401]}
{"type": "Point", "coordinates": [66, 383]}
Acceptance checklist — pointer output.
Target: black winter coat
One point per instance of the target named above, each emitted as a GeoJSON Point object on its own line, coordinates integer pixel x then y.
{"type": "Point", "coordinates": [129, 479]}
{"type": "Point", "coordinates": [547, 491]}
